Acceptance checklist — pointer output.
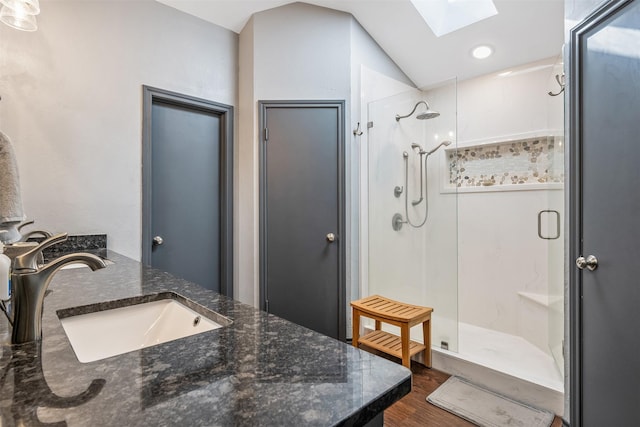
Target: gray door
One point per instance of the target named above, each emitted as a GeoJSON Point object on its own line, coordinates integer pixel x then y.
{"type": "Point", "coordinates": [605, 302]}
{"type": "Point", "coordinates": [186, 216]}
{"type": "Point", "coordinates": [302, 245]}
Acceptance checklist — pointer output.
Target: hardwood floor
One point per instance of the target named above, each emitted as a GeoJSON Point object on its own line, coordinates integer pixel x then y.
{"type": "Point", "coordinates": [414, 410]}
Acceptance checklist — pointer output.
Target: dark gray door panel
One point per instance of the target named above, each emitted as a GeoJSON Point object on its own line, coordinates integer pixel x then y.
{"type": "Point", "coordinates": [187, 188]}
{"type": "Point", "coordinates": [606, 128]}
{"type": "Point", "coordinates": [186, 199]}
{"type": "Point", "coordinates": [301, 204]}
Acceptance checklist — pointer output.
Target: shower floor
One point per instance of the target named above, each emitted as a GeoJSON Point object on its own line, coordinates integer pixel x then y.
{"type": "Point", "coordinates": [506, 364]}
{"type": "Point", "coordinates": [510, 354]}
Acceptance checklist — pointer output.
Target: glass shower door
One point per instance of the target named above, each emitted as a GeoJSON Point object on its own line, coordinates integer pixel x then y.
{"type": "Point", "coordinates": [556, 226]}
{"type": "Point", "coordinates": [412, 234]}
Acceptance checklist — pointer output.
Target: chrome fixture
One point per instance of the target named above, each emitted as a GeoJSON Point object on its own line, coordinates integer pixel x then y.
{"type": "Point", "coordinates": [32, 233]}
{"type": "Point", "coordinates": [443, 143]}
{"type": "Point", "coordinates": [419, 147]}
{"type": "Point", "coordinates": [14, 250]}
{"type": "Point", "coordinates": [421, 152]}
{"type": "Point", "coordinates": [357, 131]}
{"type": "Point", "coordinates": [557, 220]}
{"type": "Point", "coordinates": [429, 114]}
{"type": "Point", "coordinates": [331, 237]}
{"type": "Point", "coordinates": [397, 219]}
{"type": "Point", "coordinates": [561, 82]}
{"type": "Point", "coordinates": [21, 245]}
{"type": "Point", "coordinates": [35, 233]}
{"type": "Point", "coordinates": [29, 282]}
{"type": "Point", "coordinates": [590, 263]}
{"type": "Point", "coordinates": [157, 241]}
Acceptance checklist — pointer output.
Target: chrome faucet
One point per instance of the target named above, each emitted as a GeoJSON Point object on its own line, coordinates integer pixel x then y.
{"type": "Point", "coordinates": [26, 236]}
{"type": "Point", "coordinates": [29, 282]}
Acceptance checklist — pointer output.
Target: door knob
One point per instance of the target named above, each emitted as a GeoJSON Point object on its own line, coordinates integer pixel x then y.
{"type": "Point", "coordinates": [331, 237]}
{"type": "Point", "coordinates": [157, 241]}
{"type": "Point", "coordinates": [590, 263]}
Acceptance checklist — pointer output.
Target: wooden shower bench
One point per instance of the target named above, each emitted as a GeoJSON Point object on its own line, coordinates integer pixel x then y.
{"type": "Point", "coordinates": [405, 316]}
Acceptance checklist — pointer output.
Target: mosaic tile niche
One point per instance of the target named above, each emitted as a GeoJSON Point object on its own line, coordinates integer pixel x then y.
{"type": "Point", "coordinates": [535, 160]}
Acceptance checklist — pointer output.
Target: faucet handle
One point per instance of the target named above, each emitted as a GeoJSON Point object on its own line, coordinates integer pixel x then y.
{"type": "Point", "coordinates": [43, 233]}
{"type": "Point", "coordinates": [26, 236]}
{"type": "Point", "coordinates": [24, 224]}
{"type": "Point", "coordinates": [29, 259]}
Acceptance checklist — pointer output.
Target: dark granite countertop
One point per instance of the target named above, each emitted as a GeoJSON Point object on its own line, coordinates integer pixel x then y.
{"type": "Point", "coordinates": [259, 371]}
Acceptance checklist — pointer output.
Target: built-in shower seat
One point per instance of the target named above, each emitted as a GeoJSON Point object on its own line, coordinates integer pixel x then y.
{"type": "Point", "coordinates": [405, 316]}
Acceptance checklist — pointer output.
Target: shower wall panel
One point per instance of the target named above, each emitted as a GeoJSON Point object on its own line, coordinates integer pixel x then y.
{"type": "Point", "coordinates": [508, 275]}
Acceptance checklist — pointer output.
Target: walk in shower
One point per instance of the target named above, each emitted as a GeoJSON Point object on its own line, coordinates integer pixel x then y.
{"type": "Point", "coordinates": [412, 239]}
{"type": "Point", "coordinates": [484, 247]}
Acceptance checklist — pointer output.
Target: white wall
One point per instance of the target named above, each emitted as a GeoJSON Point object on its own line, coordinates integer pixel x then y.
{"type": "Point", "coordinates": [72, 104]}
{"type": "Point", "coordinates": [298, 52]}
{"type": "Point", "coordinates": [500, 253]}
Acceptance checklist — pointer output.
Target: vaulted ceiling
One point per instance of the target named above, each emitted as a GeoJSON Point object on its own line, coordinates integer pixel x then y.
{"type": "Point", "coordinates": [523, 31]}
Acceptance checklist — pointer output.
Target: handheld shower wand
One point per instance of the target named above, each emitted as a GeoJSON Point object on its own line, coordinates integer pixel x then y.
{"type": "Point", "coordinates": [445, 143]}
{"type": "Point", "coordinates": [398, 220]}
{"type": "Point", "coordinates": [419, 147]}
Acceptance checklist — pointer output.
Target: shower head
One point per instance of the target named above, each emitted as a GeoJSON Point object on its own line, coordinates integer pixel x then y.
{"type": "Point", "coordinates": [419, 147]}
{"type": "Point", "coordinates": [445, 143]}
{"type": "Point", "coordinates": [429, 114]}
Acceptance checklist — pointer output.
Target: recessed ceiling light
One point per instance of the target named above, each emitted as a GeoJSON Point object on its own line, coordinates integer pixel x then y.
{"type": "Point", "coordinates": [482, 52]}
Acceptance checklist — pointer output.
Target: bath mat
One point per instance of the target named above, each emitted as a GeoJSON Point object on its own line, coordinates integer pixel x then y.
{"type": "Point", "coordinates": [486, 408]}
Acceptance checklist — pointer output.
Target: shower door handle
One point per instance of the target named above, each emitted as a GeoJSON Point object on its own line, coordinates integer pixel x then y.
{"type": "Point", "coordinates": [331, 237]}
{"type": "Point", "coordinates": [590, 263]}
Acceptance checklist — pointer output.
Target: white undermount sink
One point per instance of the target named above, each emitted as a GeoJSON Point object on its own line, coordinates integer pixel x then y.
{"type": "Point", "coordinates": [101, 334]}
{"type": "Point", "coordinates": [74, 265]}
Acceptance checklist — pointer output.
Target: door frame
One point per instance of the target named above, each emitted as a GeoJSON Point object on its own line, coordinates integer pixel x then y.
{"type": "Point", "coordinates": [602, 13]}
{"type": "Point", "coordinates": [339, 105]}
{"type": "Point", "coordinates": [152, 95]}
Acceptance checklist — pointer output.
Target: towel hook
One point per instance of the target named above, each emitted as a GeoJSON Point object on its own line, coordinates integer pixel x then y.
{"type": "Point", "coordinates": [357, 131]}
{"type": "Point", "coordinates": [560, 80]}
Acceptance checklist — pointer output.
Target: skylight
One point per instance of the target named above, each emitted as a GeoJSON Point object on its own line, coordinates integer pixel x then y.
{"type": "Point", "coordinates": [446, 16]}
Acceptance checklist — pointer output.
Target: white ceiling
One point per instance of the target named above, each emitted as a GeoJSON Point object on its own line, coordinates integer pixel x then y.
{"type": "Point", "coordinates": [523, 31]}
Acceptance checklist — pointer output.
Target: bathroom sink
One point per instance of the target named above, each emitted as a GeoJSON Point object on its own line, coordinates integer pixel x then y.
{"type": "Point", "coordinates": [74, 265]}
{"type": "Point", "coordinates": [97, 333]}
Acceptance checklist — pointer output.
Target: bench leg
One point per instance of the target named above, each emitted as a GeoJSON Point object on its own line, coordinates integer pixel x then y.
{"type": "Point", "coordinates": [404, 337]}
{"type": "Point", "coordinates": [378, 325]}
{"type": "Point", "coordinates": [355, 336]}
{"type": "Point", "coordinates": [426, 336]}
